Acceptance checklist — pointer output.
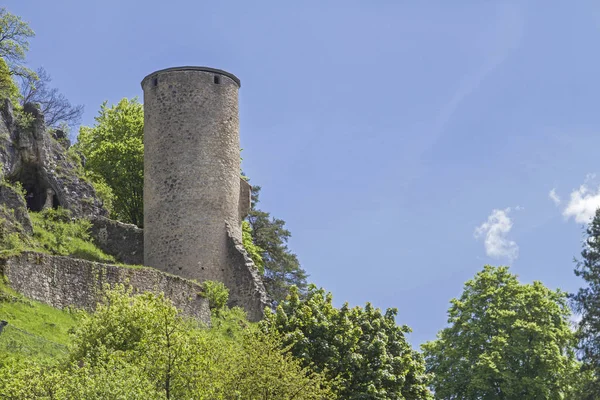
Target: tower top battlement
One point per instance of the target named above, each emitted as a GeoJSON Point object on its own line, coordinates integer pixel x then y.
{"type": "Point", "coordinates": [192, 68]}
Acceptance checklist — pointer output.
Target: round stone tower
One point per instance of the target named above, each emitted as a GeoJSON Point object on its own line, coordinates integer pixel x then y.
{"type": "Point", "coordinates": [194, 199]}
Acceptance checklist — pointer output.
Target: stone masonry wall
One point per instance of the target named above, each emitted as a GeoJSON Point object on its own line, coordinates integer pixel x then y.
{"type": "Point", "coordinates": [245, 285]}
{"type": "Point", "coordinates": [125, 242]}
{"type": "Point", "coordinates": [63, 281]}
{"type": "Point", "coordinates": [194, 199]}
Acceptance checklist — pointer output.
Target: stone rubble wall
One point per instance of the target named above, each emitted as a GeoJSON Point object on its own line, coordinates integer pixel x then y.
{"type": "Point", "coordinates": [246, 288]}
{"type": "Point", "coordinates": [123, 241]}
{"type": "Point", "coordinates": [62, 282]}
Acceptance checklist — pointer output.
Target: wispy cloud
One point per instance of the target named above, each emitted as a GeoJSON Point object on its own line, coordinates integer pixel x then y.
{"type": "Point", "coordinates": [583, 204]}
{"type": "Point", "coordinates": [495, 231]}
{"type": "Point", "coordinates": [554, 197]}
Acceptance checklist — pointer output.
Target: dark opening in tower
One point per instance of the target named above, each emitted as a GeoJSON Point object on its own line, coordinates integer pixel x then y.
{"type": "Point", "coordinates": [38, 192]}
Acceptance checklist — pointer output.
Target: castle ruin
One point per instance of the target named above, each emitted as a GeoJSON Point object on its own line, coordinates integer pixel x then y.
{"type": "Point", "coordinates": [194, 197]}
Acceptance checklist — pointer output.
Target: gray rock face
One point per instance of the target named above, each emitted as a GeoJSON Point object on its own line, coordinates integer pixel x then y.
{"type": "Point", "coordinates": [125, 242]}
{"type": "Point", "coordinates": [13, 200]}
{"type": "Point", "coordinates": [29, 154]}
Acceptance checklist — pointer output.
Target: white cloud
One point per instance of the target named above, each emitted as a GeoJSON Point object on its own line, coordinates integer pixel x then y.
{"type": "Point", "coordinates": [583, 203]}
{"type": "Point", "coordinates": [495, 230]}
{"type": "Point", "coordinates": [554, 197]}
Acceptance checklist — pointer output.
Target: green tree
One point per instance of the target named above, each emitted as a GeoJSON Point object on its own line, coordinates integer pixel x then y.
{"type": "Point", "coordinates": [8, 87]}
{"type": "Point", "coordinates": [114, 154]}
{"type": "Point", "coordinates": [506, 340]}
{"type": "Point", "coordinates": [180, 360]}
{"type": "Point", "coordinates": [361, 350]}
{"type": "Point", "coordinates": [586, 301]}
{"type": "Point", "coordinates": [282, 269]}
{"type": "Point", "coordinates": [14, 42]}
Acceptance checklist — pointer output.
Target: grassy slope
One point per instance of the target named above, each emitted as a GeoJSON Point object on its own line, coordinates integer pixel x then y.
{"type": "Point", "coordinates": [34, 329]}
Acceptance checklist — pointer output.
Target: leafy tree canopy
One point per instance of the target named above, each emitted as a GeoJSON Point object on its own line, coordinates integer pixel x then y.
{"type": "Point", "coordinates": [586, 302]}
{"type": "Point", "coordinates": [14, 41]}
{"type": "Point", "coordinates": [361, 350]}
{"type": "Point", "coordinates": [8, 88]}
{"type": "Point", "coordinates": [506, 340]}
{"type": "Point", "coordinates": [113, 150]}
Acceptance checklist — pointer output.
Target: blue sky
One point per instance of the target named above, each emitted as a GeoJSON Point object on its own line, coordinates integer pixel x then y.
{"type": "Point", "coordinates": [406, 144]}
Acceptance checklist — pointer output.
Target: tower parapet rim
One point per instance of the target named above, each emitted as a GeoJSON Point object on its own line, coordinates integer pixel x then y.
{"type": "Point", "coordinates": [193, 68]}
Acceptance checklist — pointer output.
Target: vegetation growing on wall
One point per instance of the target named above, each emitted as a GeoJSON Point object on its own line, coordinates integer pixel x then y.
{"type": "Point", "coordinates": [55, 232]}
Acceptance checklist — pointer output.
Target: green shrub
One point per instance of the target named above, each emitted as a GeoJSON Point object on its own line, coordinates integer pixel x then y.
{"type": "Point", "coordinates": [253, 250]}
{"type": "Point", "coordinates": [216, 293]}
{"type": "Point", "coordinates": [8, 87]}
{"type": "Point", "coordinates": [55, 232]}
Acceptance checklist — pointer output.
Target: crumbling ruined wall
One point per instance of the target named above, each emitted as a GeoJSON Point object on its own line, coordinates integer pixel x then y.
{"type": "Point", "coordinates": [249, 292]}
{"type": "Point", "coordinates": [123, 241]}
{"type": "Point", "coordinates": [62, 281]}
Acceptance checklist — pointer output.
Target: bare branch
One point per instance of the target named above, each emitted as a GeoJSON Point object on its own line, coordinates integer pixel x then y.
{"type": "Point", "coordinates": [57, 109]}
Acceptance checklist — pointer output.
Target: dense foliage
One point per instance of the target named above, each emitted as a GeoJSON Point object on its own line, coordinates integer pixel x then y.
{"type": "Point", "coordinates": [8, 88]}
{"type": "Point", "coordinates": [14, 42]}
{"type": "Point", "coordinates": [140, 347]}
{"type": "Point", "coordinates": [586, 302]}
{"type": "Point", "coordinates": [114, 155]}
{"type": "Point", "coordinates": [254, 251]}
{"type": "Point", "coordinates": [506, 340]}
{"type": "Point", "coordinates": [361, 350]}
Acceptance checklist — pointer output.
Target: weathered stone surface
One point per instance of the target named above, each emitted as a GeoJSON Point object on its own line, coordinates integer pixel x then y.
{"type": "Point", "coordinates": [123, 241]}
{"type": "Point", "coordinates": [63, 281]}
{"type": "Point", "coordinates": [14, 201]}
{"type": "Point", "coordinates": [194, 199]}
{"type": "Point", "coordinates": [245, 285]}
{"type": "Point", "coordinates": [32, 156]}
{"type": "Point", "coordinates": [245, 199]}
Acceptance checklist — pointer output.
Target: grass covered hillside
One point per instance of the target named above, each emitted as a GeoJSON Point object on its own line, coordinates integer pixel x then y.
{"type": "Point", "coordinates": [35, 330]}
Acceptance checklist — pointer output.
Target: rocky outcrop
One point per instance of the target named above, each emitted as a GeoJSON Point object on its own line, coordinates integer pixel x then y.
{"type": "Point", "coordinates": [14, 208]}
{"type": "Point", "coordinates": [123, 241]}
{"type": "Point", "coordinates": [38, 160]}
{"type": "Point", "coordinates": [62, 282]}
